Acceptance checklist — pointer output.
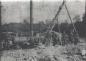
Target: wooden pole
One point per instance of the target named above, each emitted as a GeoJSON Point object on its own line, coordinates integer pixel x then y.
{"type": "Point", "coordinates": [0, 34]}
{"type": "Point", "coordinates": [77, 35]}
{"type": "Point", "coordinates": [0, 27]}
{"type": "Point", "coordinates": [31, 19]}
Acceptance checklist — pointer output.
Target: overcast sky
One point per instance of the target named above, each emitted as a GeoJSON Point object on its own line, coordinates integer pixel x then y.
{"type": "Point", "coordinates": [42, 10]}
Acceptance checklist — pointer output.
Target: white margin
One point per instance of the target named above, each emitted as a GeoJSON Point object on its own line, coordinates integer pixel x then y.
{"type": "Point", "coordinates": [37, 0]}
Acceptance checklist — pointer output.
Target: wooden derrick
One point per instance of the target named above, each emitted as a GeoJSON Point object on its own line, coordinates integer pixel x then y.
{"type": "Point", "coordinates": [50, 29]}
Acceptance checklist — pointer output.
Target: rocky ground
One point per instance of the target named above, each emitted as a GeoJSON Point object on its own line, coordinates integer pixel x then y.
{"type": "Point", "coordinates": [51, 53]}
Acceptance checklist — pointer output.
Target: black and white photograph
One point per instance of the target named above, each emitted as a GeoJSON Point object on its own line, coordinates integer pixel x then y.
{"type": "Point", "coordinates": [42, 30]}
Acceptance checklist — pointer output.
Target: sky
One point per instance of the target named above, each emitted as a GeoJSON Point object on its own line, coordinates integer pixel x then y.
{"type": "Point", "coordinates": [18, 11]}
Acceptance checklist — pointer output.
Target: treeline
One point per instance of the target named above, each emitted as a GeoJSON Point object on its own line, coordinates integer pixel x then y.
{"type": "Point", "coordinates": [23, 27]}
{"type": "Point", "coordinates": [79, 25]}
{"type": "Point", "coordinates": [67, 28]}
{"type": "Point", "coordinates": [42, 27]}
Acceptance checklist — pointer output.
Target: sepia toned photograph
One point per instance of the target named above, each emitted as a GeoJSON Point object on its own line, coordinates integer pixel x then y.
{"type": "Point", "coordinates": [43, 30]}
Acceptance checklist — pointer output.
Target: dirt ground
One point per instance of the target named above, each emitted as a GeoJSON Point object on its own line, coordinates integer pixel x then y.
{"type": "Point", "coordinates": [51, 53]}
